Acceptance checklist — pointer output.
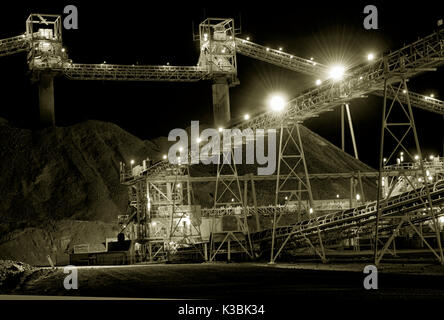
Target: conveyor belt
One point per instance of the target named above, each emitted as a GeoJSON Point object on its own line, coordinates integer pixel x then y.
{"type": "Point", "coordinates": [408, 202]}
{"type": "Point", "coordinates": [13, 45]}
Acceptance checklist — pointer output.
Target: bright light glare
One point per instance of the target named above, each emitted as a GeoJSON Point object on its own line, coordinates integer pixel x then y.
{"type": "Point", "coordinates": [247, 116]}
{"type": "Point", "coordinates": [337, 72]}
{"type": "Point", "coordinates": [164, 157]}
{"type": "Point", "coordinates": [370, 57]}
{"type": "Point", "coordinates": [277, 103]}
{"type": "Point", "coordinates": [198, 140]}
{"type": "Point", "coordinates": [318, 82]}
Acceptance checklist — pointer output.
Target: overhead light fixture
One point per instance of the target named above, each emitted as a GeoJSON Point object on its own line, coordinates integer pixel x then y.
{"type": "Point", "coordinates": [277, 103]}
{"type": "Point", "coordinates": [337, 72]}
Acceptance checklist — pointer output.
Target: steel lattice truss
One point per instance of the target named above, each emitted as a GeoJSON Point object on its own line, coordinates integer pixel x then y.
{"type": "Point", "coordinates": [417, 100]}
{"type": "Point", "coordinates": [77, 71]}
{"type": "Point", "coordinates": [423, 55]}
{"type": "Point", "coordinates": [311, 68]}
{"type": "Point", "coordinates": [363, 215]}
{"type": "Point", "coordinates": [279, 58]}
{"type": "Point", "coordinates": [14, 45]}
{"type": "Point", "coordinates": [426, 52]}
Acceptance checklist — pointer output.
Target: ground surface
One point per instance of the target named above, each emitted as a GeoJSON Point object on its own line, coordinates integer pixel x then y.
{"type": "Point", "coordinates": [242, 282]}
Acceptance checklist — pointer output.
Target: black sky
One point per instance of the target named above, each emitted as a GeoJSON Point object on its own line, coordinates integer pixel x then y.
{"type": "Point", "coordinates": [143, 33]}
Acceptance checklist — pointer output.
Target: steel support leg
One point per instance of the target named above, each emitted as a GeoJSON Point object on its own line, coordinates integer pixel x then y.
{"type": "Point", "coordinates": [352, 132]}
{"type": "Point", "coordinates": [400, 136]}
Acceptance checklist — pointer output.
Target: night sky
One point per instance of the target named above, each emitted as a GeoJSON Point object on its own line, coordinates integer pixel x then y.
{"type": "Point", "coordinates": [143, 33]}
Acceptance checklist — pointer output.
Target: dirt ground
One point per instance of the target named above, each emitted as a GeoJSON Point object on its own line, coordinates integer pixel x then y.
{"type": "Point", "coordinates": [240, 281]}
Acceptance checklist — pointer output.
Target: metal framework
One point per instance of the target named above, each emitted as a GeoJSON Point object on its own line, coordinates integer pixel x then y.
{"type": "Point", "coordinates": [421, 56]}
{"type": "Point", "coordinates": [346, 108]}
{"type": "Point", "coordinates": [360, 219]}
{"type": "Point", "coordinates": [217, 62]}
{"type": "Point", "coordinates": [333, 91]}
{"type": "Point", "coordinates": [280, 58]}
{"type": "Point", "coordinates": [217, 47]}
{"type": "Point", "coordinates": [416, 100]}
{"type": "Point", "coordinates": [14, 45]}
{"type": "Point", "coordinates": [291, 163]}
{"type": "Point", "coordinates": [228, 193]}
{"type": "Point", "coordinates": [316, 69]}
{"type": "Point", "coordinates": [163, 215]}
{"type": "Point", "coordinates": [44, 33]}
{"type": "Point", "coordinates": [75, 71]}
{"type": "Point", "coordinates": [400, 131]}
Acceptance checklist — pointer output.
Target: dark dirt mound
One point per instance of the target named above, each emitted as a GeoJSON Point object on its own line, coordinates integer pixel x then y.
{"type": "Point", "coordinates": [11, 272]}
{"type": "Point", "coordinates": [70, 172]}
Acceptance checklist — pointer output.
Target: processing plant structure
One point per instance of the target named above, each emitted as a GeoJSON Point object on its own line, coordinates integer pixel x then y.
{"type": "Point", "coordinates": [165, 222]}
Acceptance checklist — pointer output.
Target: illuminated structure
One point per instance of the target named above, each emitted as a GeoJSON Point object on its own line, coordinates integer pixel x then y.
{"type": "Point", "coordinates": [217, 62]}
{"type": "Point", "coordinates": [161, 207]}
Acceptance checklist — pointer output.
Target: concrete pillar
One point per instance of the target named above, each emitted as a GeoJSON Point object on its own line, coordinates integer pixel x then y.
{"type": "Point", "coordinates": [221, 102]}
{"type": "Point", "coordinates": [46, 100]}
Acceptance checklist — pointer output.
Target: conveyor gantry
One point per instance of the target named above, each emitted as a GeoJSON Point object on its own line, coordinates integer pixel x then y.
{"type": "Point", "coordinates": [319, 70]}
{"type": "Point", "coordinates": [76, 71]}
{"type": "Point", "coordinates": [362, 215]}
{"type": "Point", "coordinates": [421, 56]}
{"type": "Point", "coordinates": [14, 45]}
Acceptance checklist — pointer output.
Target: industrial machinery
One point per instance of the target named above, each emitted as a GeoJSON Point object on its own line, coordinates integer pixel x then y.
{"type": "Point", "coordinates": [382, 74]}
{"type": "Point", "coordinates": [164, 217]}
{"type": "Point", "coordinates": [47, 58]}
